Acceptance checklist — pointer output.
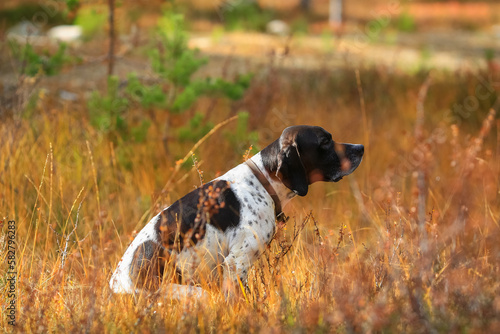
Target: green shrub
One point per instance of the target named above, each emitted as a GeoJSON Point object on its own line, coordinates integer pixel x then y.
{"type": "Point", "coordinates": [33, 62]}
{"type": "Point", "coordinates": [139, 132]}
{"type": "Point", "coordinates": [29, 12]}
{"type": "Point", "coordinates": [406, 22]}
{"type": "Point", "coordinates": [210, 87]}
{"type": "Point", "coordinates": [107, 111]}
{"type": "Point", "coordinates": [176, 64]}
{"type": "Point", "coordinates": [92, 20]}
{"type": "Point", "coordinates": [72, 4]}
{"type": "Point", "coordinates": [195, 129]}
{"type": "Point", "coordinates": [245, 15]}
{"type": "Point", "coordinates": [489, 54]}
{"type": "Point", "coordinates": [146, 96]}
{"type": "Point", "coordinates": [300, 26]}
{"type": "Point", "coordinates": [176, 90]}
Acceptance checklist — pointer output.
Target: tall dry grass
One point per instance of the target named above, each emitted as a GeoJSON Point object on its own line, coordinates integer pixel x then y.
{"type": "Point", "coordinates": [354, 256]}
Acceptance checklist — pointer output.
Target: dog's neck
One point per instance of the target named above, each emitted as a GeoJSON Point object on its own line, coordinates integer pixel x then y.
{"type": "Point", "coordinates": [284, 194]}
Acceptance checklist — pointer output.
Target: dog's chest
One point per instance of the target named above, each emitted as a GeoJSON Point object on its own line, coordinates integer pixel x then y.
{"type": "Point", "coordinates": [257, 214]}
{"type": "Point", "coordinates": [253, 231]}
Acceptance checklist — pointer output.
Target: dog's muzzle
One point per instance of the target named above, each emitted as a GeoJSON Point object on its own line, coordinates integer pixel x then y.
{"type": "Point", "coordinates": [353, 153]}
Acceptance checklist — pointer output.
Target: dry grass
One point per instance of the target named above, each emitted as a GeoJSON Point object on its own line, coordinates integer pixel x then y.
{"type": "Point", "coordinates": [361, 262]}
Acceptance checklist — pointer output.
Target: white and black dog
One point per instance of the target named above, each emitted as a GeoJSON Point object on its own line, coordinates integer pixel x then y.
{"type": "Point", "coordinates": [224, 225]}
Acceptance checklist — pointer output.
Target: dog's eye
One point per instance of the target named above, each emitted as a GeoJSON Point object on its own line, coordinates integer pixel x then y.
{"type": "Point", "coordinates": [325, 143]}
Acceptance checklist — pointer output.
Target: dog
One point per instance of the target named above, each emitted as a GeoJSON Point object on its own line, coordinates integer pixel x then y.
{"type": "Point", "coordinates": [221, 228]}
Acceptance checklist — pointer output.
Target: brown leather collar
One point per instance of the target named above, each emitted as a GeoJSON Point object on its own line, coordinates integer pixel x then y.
{"type": "Point", "coordinates": [265, 183]}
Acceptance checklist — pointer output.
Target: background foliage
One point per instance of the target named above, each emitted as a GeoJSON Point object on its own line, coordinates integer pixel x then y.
{"type": "Point", "coordinates": [408, 243]}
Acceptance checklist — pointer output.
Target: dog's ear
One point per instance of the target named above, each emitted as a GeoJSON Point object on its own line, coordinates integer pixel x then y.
{"type": "Point", "coordinates": [291, 169]}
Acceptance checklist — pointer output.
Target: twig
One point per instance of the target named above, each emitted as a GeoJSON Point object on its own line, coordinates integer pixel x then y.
{"type": "Point", "coordinates": [498, 159]}
{"type": "Point", "coordinates": [64, 253]}
{"type": "Point", "coordinates": [246, 156]}
{"type": "Point", "coordinates": [196, 165]}
{"type": "Point", "coordinates": [421, 174]}
{"type": "Point", "coordinates": [422, 94]}
{"type": "Point", "coordinates": [285, 247]}
{"type": "Point", "coordinates": [179, 163]}
{"type": "Point", "coordinates": [400, 239]}
{"type": "Point", "coordinates": [111, 50]}
{"type": "Point", "coordinates": [341, 238]}
{"type": "Point", "coordinates": [316, 230]}
{"type": "Point", "coordinates": [366, 132]}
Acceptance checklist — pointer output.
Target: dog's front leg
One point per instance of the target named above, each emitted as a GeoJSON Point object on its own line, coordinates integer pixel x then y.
{"type": "Point", "coordinates": [231, 278]}
{"type": "Point", "coordinates": [236, 268]}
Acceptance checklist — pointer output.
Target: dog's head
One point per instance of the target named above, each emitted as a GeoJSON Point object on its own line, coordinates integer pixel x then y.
{"type": "Point", "coordinates": [308, 154]}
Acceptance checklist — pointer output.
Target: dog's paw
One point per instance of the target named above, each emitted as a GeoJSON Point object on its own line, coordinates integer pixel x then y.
{"type": "Point", "coordinates": [182, 292]}
{"type": "Point", "coordinates": [232, 291]}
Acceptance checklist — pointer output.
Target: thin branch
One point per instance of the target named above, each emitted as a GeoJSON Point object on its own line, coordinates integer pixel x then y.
{"type": "Point", "coordinates": [196, 165]}
{"type": "Point", "coordinates": [60, 239]}
{"type": "Point", "coordinates": [111, 50]}
{"type": "Point", "coordinates": [421, 174]}
{"type": "Point", "coordinates": [183, 160]}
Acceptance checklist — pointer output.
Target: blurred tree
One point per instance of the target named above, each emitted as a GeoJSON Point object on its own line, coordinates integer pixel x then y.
{"type": "Point", "coordinates": [336, 12]}
{"type": "Point", "coordinates": [111, 34]}
{"type": "Point", "coordinates": [305, 4]}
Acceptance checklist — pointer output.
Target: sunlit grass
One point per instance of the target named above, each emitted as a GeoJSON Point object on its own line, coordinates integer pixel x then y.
{"type": "Point", "coordinates": [362, 263]}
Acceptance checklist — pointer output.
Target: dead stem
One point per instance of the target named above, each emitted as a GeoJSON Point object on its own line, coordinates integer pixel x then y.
{"type": "Point", "coordinates": [421, 172]}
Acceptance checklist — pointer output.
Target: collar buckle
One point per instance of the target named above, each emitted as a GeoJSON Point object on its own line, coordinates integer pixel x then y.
{"type": "Point", "coordinates": [281, 217]}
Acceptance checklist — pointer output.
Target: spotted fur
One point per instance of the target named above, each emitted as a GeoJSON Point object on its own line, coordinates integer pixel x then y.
{"type": "Point", "coordinates": [224, 226]}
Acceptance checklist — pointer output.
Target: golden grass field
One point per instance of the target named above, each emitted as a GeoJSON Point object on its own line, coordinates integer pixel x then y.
{"type": "Point", "coordinates": [362, 263]}
{"type": "Point", "coordinates": [407, 243]}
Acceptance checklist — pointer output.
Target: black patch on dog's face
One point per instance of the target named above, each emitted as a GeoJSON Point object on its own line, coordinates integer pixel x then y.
{"type": "Point", "coordinates": [307, 154]}
{"type": "Point", "coordinates": [184, 222]}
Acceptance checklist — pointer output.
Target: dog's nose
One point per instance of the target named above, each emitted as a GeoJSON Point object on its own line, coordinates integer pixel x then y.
{"type": "Point", "coordinates": [354, 149]}
{"type": "Point", "coordinates": [360, 149]}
